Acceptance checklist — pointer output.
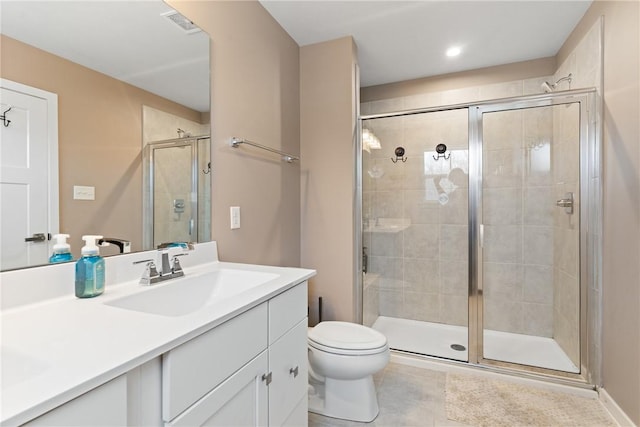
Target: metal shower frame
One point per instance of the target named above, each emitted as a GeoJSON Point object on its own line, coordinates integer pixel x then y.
{"type": "Point", "coordinates": [149, 187]}
{"type": "Point", "coordinates": [590, 230]}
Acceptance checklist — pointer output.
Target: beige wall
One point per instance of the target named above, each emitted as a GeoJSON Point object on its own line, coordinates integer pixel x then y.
{"type": "Point", "coordinates": [621, 189]}
{"type": "Point", "coordinates": [99, 140]}
{"type": "Point", "coordinates": [255, 95]}
{"type": "Point", "coordinates": [327, 123]}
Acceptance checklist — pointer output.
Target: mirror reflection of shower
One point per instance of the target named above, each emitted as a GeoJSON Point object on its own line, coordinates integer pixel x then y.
{"type": "Point", "coordinates": [178, 189]}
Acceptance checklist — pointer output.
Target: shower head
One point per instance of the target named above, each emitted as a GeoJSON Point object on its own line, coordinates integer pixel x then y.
{"type": "Point", "coordinates": [547, 87]}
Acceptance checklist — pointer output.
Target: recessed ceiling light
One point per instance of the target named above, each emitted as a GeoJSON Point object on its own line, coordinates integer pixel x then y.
{"type": "Point", "coordinates": [454, 51]}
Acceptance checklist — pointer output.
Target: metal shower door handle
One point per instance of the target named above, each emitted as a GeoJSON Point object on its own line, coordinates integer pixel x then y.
{"type": "Point", "coordinates": [566, 203]}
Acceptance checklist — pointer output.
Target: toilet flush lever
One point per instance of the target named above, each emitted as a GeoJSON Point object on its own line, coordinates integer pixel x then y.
{"type": "Point", "coordinates": [294, 371]}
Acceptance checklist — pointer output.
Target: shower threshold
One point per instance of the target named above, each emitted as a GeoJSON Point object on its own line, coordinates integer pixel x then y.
{"type": "Point", "coordinates": [437, 339]}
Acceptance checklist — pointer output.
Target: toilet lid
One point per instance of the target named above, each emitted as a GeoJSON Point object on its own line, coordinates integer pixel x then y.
{"type": "Point", "coordinates": [347, 336]}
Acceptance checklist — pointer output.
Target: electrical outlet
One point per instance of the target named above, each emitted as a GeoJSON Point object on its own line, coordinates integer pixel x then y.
{"type": "Point", "coordinates": [81, 192]}
{"type": "Point", "coordinates": [235, 217]}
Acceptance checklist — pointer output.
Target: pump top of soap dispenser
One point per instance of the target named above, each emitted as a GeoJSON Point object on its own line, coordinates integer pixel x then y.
{"type": "Point", "coordinates": [61, 246]}
{"type": "Point", "coordinates": [90, 247]}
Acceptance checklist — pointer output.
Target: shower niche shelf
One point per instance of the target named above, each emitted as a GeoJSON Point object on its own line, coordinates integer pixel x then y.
{"type": "Point", "coordinates": [387, 225]}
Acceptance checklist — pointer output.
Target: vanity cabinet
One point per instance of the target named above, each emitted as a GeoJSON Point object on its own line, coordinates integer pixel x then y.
{"type": "Point", "coordinates": [249, 371]}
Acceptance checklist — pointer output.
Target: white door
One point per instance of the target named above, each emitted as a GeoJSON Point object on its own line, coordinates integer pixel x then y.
{"type": "Point", "coordinates": [28, 174]}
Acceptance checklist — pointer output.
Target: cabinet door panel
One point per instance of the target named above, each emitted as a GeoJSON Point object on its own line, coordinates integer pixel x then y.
{"type": "Point", "coordinates": [299, 417]}
{"type": "Point", "coordinates": [241, 400]}
{"type": "Point", "coordinates": [198, 366]}
{"type": "Point", "coordinates": [287, 356]}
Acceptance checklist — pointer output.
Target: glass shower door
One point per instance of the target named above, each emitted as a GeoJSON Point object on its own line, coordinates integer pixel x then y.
{"type": "Point", "coordinates": [415, 231]}
{"type": "Point", "coordinates": [529, 232]}
{"type": "Point", "coordinates": [174, 192]}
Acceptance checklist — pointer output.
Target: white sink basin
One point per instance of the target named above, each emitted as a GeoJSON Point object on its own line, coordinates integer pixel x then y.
{"type": "Point", "coordinates": [179, 297]}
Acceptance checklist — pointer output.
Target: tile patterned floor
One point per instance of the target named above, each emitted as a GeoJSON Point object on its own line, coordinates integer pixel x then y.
{"type": "Point", "coordinates": [408, 397]}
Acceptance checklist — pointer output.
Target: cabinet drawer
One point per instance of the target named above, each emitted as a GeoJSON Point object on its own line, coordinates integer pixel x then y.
{"type": "Point", "coordinates": [288, 365]}
{"type": "Point", "coordinates": [286, 310]}
{"type": "Point", "coordinates": [198, 366]}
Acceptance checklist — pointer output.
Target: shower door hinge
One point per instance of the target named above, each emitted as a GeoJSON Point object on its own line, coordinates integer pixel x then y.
{"type": "Point", "coordinates": [267, 378]}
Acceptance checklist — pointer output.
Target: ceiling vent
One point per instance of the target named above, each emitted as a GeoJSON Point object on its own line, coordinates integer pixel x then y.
{"type": "Point", "coordinates": [181, 21]}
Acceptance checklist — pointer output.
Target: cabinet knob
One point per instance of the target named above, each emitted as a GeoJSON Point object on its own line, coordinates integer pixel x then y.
{"type": "Point", "coordinates": [294, 371]}
{"type": "Point", "coordinates": [267, 378]}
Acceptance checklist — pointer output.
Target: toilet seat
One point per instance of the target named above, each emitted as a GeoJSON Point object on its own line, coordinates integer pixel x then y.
{"type": "Point", "coordinates": [346, 338]}
{"type": "Point", "coordinates": [344, 352]}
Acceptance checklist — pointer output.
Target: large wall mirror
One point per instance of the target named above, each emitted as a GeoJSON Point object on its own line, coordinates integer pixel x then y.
{"type": "Point", "coordinates": [130, 82]}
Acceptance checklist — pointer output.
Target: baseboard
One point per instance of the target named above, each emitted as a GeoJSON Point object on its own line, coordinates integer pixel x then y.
{"type": "Point", "coordinates": [616, 412]}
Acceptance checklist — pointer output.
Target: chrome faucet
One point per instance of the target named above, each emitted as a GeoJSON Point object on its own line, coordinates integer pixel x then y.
{"type": "Point", "coordinates": [169, 269]}
{"type": "Point", "coordinates": [123, 245]}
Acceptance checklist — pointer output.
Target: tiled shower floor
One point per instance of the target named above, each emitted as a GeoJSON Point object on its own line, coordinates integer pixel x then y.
{"type": "Point", "coordinates": [435, 339]}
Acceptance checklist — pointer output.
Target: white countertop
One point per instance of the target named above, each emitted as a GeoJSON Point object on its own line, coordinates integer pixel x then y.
{"type": "Point", "coordinates": [55, 350]}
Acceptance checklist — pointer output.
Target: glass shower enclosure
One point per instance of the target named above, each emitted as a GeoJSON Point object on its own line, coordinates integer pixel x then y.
{"type": "Point", "coordinates": [474, 230]}
{"type": "Point", "coordinates": [177, 191]}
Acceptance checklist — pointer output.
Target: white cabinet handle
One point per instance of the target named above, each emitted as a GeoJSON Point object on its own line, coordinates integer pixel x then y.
{"type": "Point", "coordinates": [294, 371]}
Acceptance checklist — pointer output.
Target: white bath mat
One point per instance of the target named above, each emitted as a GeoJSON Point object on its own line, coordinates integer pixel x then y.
{"type": "Point", "coordinates": [480, 401]}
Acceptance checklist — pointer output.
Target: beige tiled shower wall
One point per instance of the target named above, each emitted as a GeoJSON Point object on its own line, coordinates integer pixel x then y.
{"type": "Point", "coordinates": [585, 65]}
{"type": "Point", "coordinates": [422, 271]}
{"type": "Point", "coordinates": [415, 218]}
{"type": "Point", "coordinates": [518, 222]}
{"type": "Point", "coordinates": [172, 180]}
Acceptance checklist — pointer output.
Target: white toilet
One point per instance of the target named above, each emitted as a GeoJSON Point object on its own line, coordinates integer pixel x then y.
{"type": "Point", "coordinates": [342, 360]}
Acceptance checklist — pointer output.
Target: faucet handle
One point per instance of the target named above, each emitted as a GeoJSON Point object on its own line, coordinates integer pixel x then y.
{"type": "Point", "coordinates": [150, 274]}
{"type": "Point", "coordinates": [176, 267]}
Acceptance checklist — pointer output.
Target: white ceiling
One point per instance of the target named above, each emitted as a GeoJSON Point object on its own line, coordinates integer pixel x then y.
{"type": "Point", "coordinates": [402, 40]}
{"type": "Point", "coordinates": [397, 40]}
{"type": "Point", "coordinates": [127, 40]}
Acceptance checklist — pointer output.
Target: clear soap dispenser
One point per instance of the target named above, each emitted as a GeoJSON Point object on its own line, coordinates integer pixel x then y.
{"type": "Point", "coordinates": [61, 249]}
{"type": "Point", "coordinates": [90, 270]}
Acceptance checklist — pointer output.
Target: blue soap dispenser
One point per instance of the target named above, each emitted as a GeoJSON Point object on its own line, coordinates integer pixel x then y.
{"type": "Point", "coordinates": [90, 270]}
{"type": "Point", "coordinates": [61, 249]}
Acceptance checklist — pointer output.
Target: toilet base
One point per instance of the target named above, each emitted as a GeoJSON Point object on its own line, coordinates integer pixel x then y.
{"type": "Point", "coordinates": [353, 400]}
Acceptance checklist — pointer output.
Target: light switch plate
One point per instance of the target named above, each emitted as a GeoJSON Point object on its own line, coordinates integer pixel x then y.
{"type": "Point", "coordinates": [234, 212]}
{"type": "Point", "coordinates": [82, 192]}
